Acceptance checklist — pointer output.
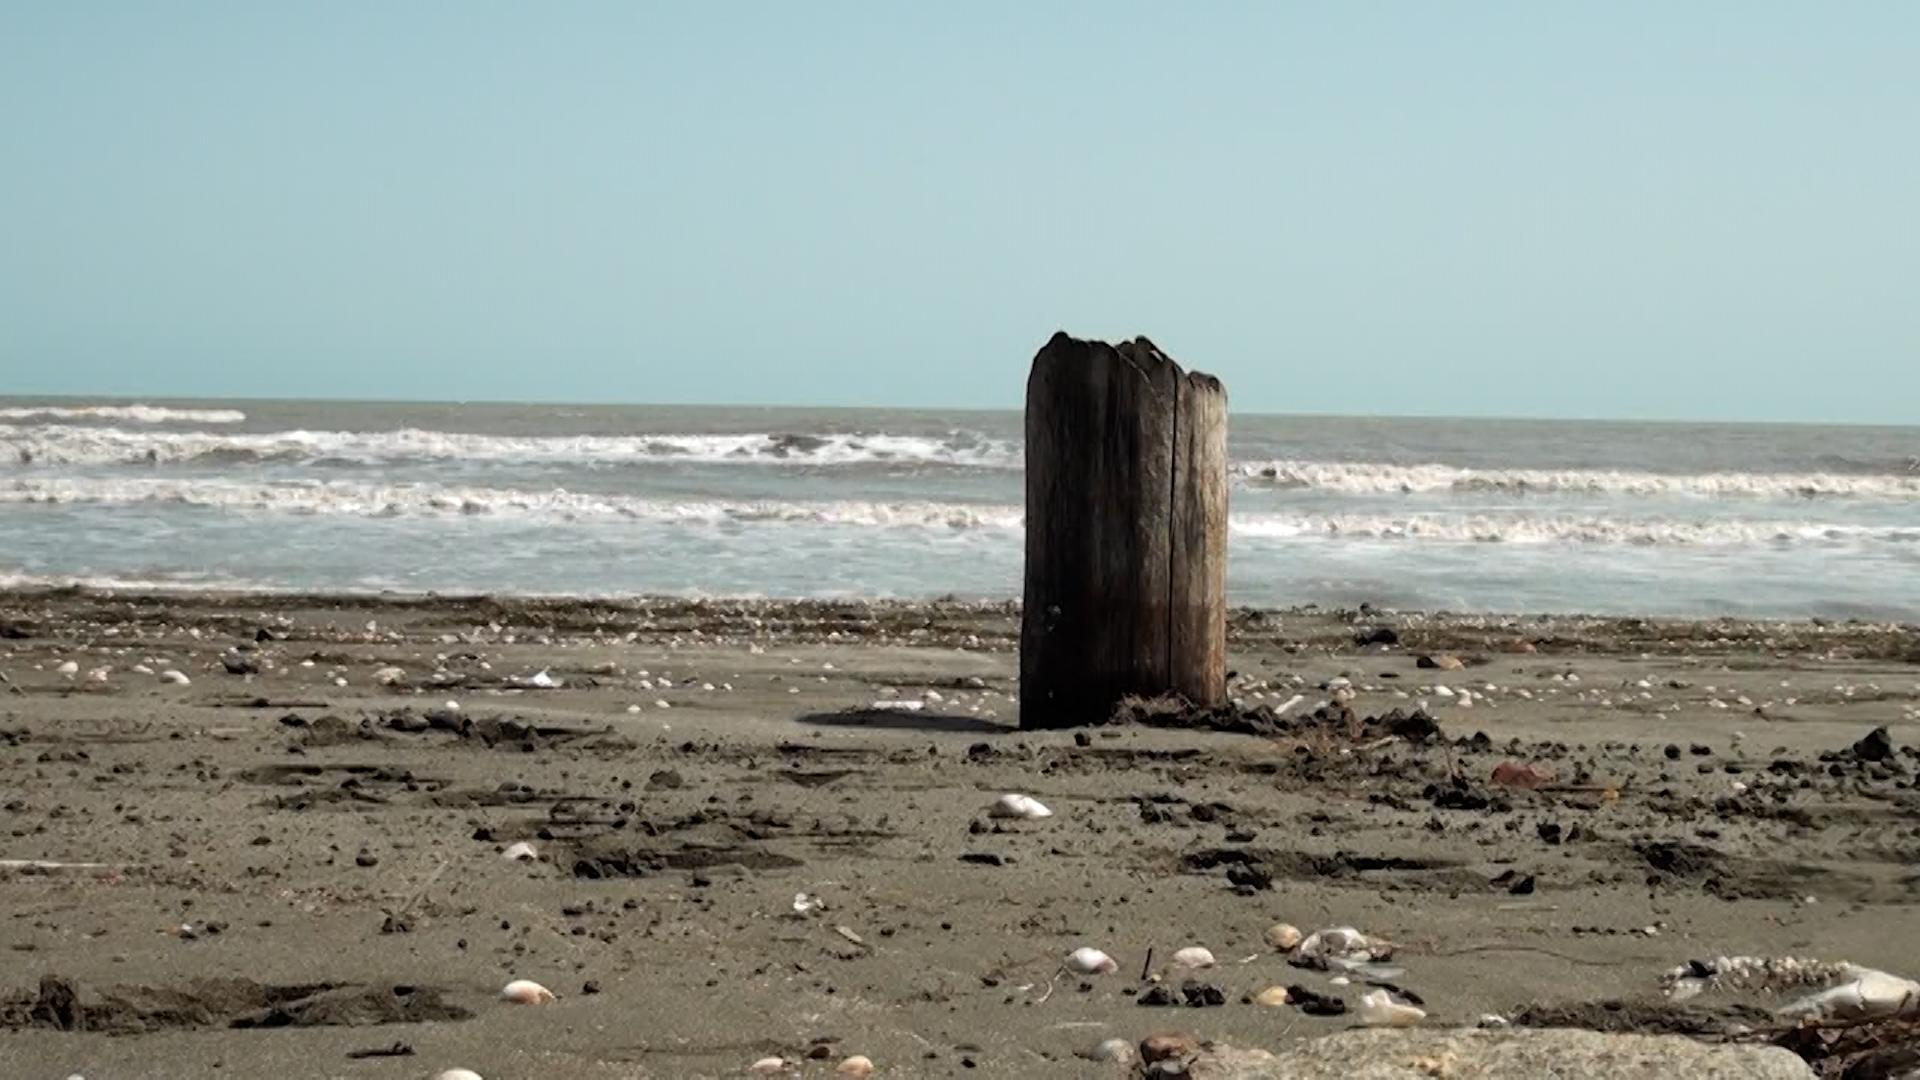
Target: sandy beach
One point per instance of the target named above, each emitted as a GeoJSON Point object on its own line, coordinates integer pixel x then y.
{"type": "Point", "coordinates": [292, 859]}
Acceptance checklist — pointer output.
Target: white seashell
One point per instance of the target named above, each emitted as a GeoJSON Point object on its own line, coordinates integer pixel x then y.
{"type": "Point", "coordinates": [905, 705]}
{"type": "Point", "coordinates": [541, 681]}
{"type": "Point", "coordinates": [633, 708]}
{"type": "Point", "coordinates": [452, 705]}
{"type": "Point", "coordinates": [99, 674]}
{"type": "Point", "coordinates": [1193, 956]}
{"type": "Point", "coordinates": [766, 1066]}
{"type": "Point", "coordinates": [1339, 941]}
{"type": "Point", "coordinates": [526, 992]}
{"type": "Point", "coordinates": [1871, 994]}
{"type": "Point", "coordinates": [175, 677]}
{"type": "Point", "coordinates": [520, 851]}
{"type": "Point", "coordinates": [1089, 961]}
{"type": "Point", "coordinates": [857, 1065]}
{"type": "Point", "coordinates": [806, 904]}
{"type": "Point", "coordinates": [390, 676]}
{"type": "Point", "coordinates": [1283, 936]}
{"type": "Point", "coordinates": [1378, 1009]}
{"type": "Point", "coordinates": [1024, 807]}
{"type": "Point", "coordinates": [457, 1074]}
{"type": "Point", "coordinates": [69, 669]}
{"type": "Point", "coordinates": [1115, 1050]}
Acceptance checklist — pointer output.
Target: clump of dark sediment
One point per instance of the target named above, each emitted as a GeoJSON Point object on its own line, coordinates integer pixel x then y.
{"type": "Point", "coordinates": [62, 1005]}
{"type": "Point", "coordinates": [1634, 1017]}
{"type": "Point", "coordinates": [1877, 1050]}
{"type": "Point", "coordinates": [1328, 720]}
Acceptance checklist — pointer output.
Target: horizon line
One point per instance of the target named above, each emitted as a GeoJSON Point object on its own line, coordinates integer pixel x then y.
{"type": "Point", "coordinates": [165, 400]}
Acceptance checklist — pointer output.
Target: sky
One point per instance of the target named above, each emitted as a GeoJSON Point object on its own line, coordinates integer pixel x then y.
{"type": "Point", "coordinates": [1641, 210]}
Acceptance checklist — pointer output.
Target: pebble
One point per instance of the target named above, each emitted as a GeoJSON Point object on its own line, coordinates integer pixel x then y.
{"type": "Point", "coordinates": [857, 1065]}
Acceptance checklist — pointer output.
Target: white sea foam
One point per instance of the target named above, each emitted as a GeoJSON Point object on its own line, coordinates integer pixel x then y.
{"type": "Point", "coordinates": [350, 498]}
{"type": "Point", "coordinates": [77, 445]}
{"type": "Point", "coordinates": [137, 414]}
{"type": "Point", "coordinates": [443, 500]}
{"type": "Point", "coordinates": [86, 445]}
{"type": "Point", "coordinates": [1517, 528]}
{"type": "Point", "coordinates": [1367, 478]}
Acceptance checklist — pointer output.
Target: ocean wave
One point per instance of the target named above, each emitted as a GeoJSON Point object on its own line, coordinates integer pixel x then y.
{"type": "Point", "coordinates": [1367, 478]}
{"type": "Point", "coordinates": [74, 445]}
{"type": "Point", "coordinates": [137, 414]}
{"type": "Point", "coordinates": [441, 500]}
{"type": "Point", "coordinates": [1516, 528]}
{"type": "Point", "coordinates": [348, 498]}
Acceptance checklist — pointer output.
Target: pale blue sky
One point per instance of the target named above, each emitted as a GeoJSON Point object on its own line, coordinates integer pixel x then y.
{"type": "Point", "coordinates": [1548, 209]}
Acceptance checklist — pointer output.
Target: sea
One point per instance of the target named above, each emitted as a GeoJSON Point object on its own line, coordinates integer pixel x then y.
{"type": "Point", "coordinates": [1464, 515]}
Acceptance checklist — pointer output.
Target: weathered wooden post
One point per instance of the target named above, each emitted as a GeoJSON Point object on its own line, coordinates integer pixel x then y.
{"type": "Point", "coordinates": [1126, 532]}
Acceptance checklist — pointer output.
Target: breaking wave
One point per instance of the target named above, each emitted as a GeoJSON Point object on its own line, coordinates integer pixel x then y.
{"type": "Point", "coordinates": [74, 445]}
{"type": "Point", "coordinates": [441, 500]}
{"type": "Point", "coordinates": [137, 414]}
{"type": "Point", "coordinates": [1364, 478]}
{"type": "Point", "coordinates": [348, 498]}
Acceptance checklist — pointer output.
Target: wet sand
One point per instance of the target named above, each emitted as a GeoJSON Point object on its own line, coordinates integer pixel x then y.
{"type": "Point", "coordinates": [289, 871]}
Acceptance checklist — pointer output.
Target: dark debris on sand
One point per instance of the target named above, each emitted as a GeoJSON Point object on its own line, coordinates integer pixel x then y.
{"type": "Point", "coordinates": [1337, 721]}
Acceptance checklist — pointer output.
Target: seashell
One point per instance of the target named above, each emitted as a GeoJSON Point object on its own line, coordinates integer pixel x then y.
{"type": "Point", "coordinates": [99, 674]}
{"type": "Point", "coordinates": [766, 1066]}
{"type": "Point", "coordinates": [520, 851]}
{"type": "Point", "coordinates": [456, 1074]}
{"type": "Point", "coordinates": [1872, 994]}
{"type": "Point", "coordinates": [1089, 961]}
{"type": "Point", "coordinates": [177, 678]}
{"type": "Point", "coordinates": [1193, 956]}
{"type": "Point", "coordinates": [1024, 807]}
{"type": "Point", "coordinates": [1272, 997]}
{"type": "Point", "coordinates": [1323, 947]}
{"type": "Point", "coordinates": [540, 680]}
{"type": "Point", "coordinates": [390, 676]}
{"type": "Point", "coordinates": [526, 992]}
{"type": "Point", "coordinates": [807, 904]}
{"type": "Point", "coordinates": [857, 1065]}
{"type": "Point", "coordinates": [1283, 936]}
{"type": "Point", "coordinates": [69, 669]}
{"type": "Point", "coordinates": [1378, 1009]}
{"type": "Point", "coordinates": [1115, 1050]}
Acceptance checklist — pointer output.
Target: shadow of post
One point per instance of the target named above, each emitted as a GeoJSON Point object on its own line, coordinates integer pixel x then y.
{"type": "Point", "coordinates": [901, 720]}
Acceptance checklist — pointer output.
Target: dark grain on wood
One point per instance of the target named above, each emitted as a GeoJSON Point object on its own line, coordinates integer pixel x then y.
{"type": "Point", "coordinates": [1126, 552]}
{"type": "Point", "coordinates": [1198, 664]}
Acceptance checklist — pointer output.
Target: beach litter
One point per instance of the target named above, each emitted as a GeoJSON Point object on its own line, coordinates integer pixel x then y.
{"type": "Point", "coordinates": [1021, 807]}
{"type": "Point", "coordinates": [1379, 1009]}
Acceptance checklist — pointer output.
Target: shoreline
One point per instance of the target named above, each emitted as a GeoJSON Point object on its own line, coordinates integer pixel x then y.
{"type": "Point", "coordinates": [301, 806]}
